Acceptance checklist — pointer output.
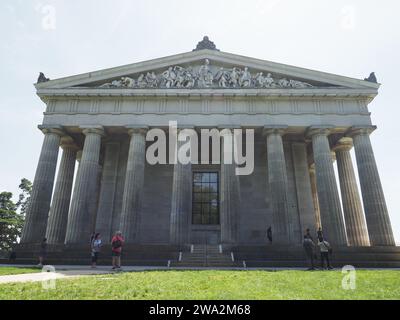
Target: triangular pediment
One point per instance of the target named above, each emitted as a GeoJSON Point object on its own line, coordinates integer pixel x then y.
{"type": "Point", "coordinates": [209, 69]}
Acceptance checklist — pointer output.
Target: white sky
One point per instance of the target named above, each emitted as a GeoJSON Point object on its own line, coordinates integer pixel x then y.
{"type": "Point", "coordinates": [63, 38]}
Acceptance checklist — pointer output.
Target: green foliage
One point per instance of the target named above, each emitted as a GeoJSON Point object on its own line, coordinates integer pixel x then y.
{"type": "Point", "coordinates": [214, 284]}
{"type": "Point", "coordinates": [5, 271]}
{"type": "Point", "coordinates": [12, 215]}
{"type": "Point", "coordinates": [25, 195]}
{"type": "Point", "coordinates": [11, 222]}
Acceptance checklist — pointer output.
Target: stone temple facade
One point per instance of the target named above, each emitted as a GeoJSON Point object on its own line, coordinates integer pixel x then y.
{"type": "Point", "coordinates": [305, 122]}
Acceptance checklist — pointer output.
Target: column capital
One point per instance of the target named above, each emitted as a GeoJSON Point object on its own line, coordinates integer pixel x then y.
{"type": "Point", "coordinates": [358, 130]}
{"type": "Point", "coordinates": [324, 130]}
{"type": "Point", "coordinates": [93, 129]}
{"type": "Point", "coordinates": [274, 129]}
{"type": "Point", "coordinates": [344, 144]}
{"type": "Point", "coordinates": [68, 143]}
{"type": "Point", "coordinates": [51, 129]}
{"type": "Point", "coordinates": [133, 129]}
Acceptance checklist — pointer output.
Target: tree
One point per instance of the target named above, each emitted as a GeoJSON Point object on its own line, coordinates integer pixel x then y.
{"type": "Point", "coordinates": [25, 195]}
{"type": "Point", "coordinates": [12, 215]}
{"type": "Point", "coordinates": [11, 222]}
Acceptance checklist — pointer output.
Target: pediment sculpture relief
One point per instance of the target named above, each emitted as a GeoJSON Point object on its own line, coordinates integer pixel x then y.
{"type": "Point", "coordinates": [205, 76]}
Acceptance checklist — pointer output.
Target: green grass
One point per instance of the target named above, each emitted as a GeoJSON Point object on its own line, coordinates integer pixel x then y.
{"type": "Point", "coordinates": [211, 284]}
{"type": "Point", "coordinates": [4, 271]}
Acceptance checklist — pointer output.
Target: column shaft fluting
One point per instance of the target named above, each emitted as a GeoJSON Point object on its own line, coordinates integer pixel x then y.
{"type": "Point", "coordinates": [376, 213]}
{"type": "Point", "coordinates": [108, 191]}
{"type": "Point", "coordinates": [134, 179]}
{"type": "Point", "coordinates": [356, 229]}
{"type": "Point", "coordinates": [80, 216]}
{"type": "Point", "coordinates": [313, 180]}
{"type": "Point", "coordinates": [277, 179]}
{"type": "Point", "coordinates": [229, 193]}
{"type": "Point", "coordinates": [34, 229]}
{"type": "Point", "coordinates": [181, 201]}
{"type": "Point", "coordinates": [303, 186]}
{"type": "Point", "coordinates": [328, 194]}
{"type": "Point", "coordinates": [58, 216]}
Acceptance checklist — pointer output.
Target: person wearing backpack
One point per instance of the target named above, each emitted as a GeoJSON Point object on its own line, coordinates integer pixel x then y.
{"type": "Point", "coordinates": [326, 250]}
{"type": "Point", "coordinates": [116, 249]}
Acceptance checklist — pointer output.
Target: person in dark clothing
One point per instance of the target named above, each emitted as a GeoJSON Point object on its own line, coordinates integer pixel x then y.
{"type": "Point", "coordinates": [13, 256]}
{"type": "Point", "coordinates": [269, 234]}
{"type": "Point", "coordinates": [320, 234]}
{"type": "Point", "coordinates": [42, 252]}
{"type": "Point", "coordinates": [308, 234]}
{"type": "Point", "coordinates": [308, 245]}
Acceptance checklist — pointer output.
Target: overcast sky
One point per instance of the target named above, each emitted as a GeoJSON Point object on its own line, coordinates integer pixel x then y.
{"type": "Point", "coordinates": [63, 38]}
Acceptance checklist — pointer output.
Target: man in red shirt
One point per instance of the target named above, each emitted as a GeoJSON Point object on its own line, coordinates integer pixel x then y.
{"type": "Point", "coordinates": [116, 244]}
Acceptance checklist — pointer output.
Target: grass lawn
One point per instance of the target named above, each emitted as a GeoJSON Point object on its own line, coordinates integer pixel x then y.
{"type": "Point", "coordinates": [4, 271]}
{"type": "Point", "coordinates": [211, 284]}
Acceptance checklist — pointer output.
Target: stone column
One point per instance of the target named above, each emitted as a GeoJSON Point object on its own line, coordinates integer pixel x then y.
{"type": "Point", "coordinates": [94, 206]}
{"type": "Point", "coordinates": [58, 216]}
{"type": "Point", "coordinates": [181, 204]}
{"type": "Point", "coordinates": [229, 189]}
{"type": "Point", "coordinates": [80, 215]}
{"type": "Point", "coordinates": [328, 194]}
{"type": "Point", "coordinates": [303, 186]}
{"type": "Point", "coordinates": [108, 190]}
{"type": "Point", "coordinates": [376, 213]}
{"type": "Point", "coordinates": [313, 180]}
{"type": "Point", "coordinates": [134, 180]}
{"type": "Point", "coordinates": [277, 177]}
{"type": "Point", "coordinates": [34, 229]}
{"type": "Point", "coordinates": [357, 233]}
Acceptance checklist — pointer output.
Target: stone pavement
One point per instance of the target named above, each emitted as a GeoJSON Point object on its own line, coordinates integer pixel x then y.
{"type": "Point", "coordinates": [65, 271]}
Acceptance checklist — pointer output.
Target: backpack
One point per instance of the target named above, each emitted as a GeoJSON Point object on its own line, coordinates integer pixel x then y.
{"type": "Point", "coordinates": [330, 251]}
{"type": "Point", "coordinates": [116, 244]}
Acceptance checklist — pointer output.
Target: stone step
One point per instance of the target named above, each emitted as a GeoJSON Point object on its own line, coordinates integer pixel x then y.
{"type": "Point", "coordinates": [205, 255]}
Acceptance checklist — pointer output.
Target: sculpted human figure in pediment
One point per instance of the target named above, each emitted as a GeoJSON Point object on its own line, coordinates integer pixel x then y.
{"type": "Point", "coordinates": [151, 79]}
{"type": "Point", "coordinates": [245, 78]}
{"type": "Point", "coordinates": [205, 77]}
{"type": "Point", "coordinates": [169, 77]}
{"type": "Point", "coordinates": [222, 77]}
{"type": "Point", "coordinates": [234, 77]}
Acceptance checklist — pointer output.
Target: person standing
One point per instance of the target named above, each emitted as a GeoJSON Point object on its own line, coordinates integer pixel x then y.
{"type": "Point", "coordinates": [116, 246]}
{"type": "Point", "coordinates": [269, 234]}
{"type": "Point", "coordinates": [325, 250]}
{"type": "Point", "coordinates": [96, 247]}
{"type": "Point", "coordinates": [320, 234]}
{"type": "Point", "coordinates": [308, 245]}
{"type": "Point", "coordinates": [308, 235]}
{"type": "Point", "coordinates": [42, 252]}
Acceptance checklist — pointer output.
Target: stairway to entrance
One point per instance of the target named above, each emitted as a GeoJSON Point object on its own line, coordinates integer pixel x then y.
{"type": "Point", "coordinates": [205, 255]}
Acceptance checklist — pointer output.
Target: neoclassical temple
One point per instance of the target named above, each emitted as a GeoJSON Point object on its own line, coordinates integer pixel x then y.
{"type": "Point", "coordinates": [305, 123]}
